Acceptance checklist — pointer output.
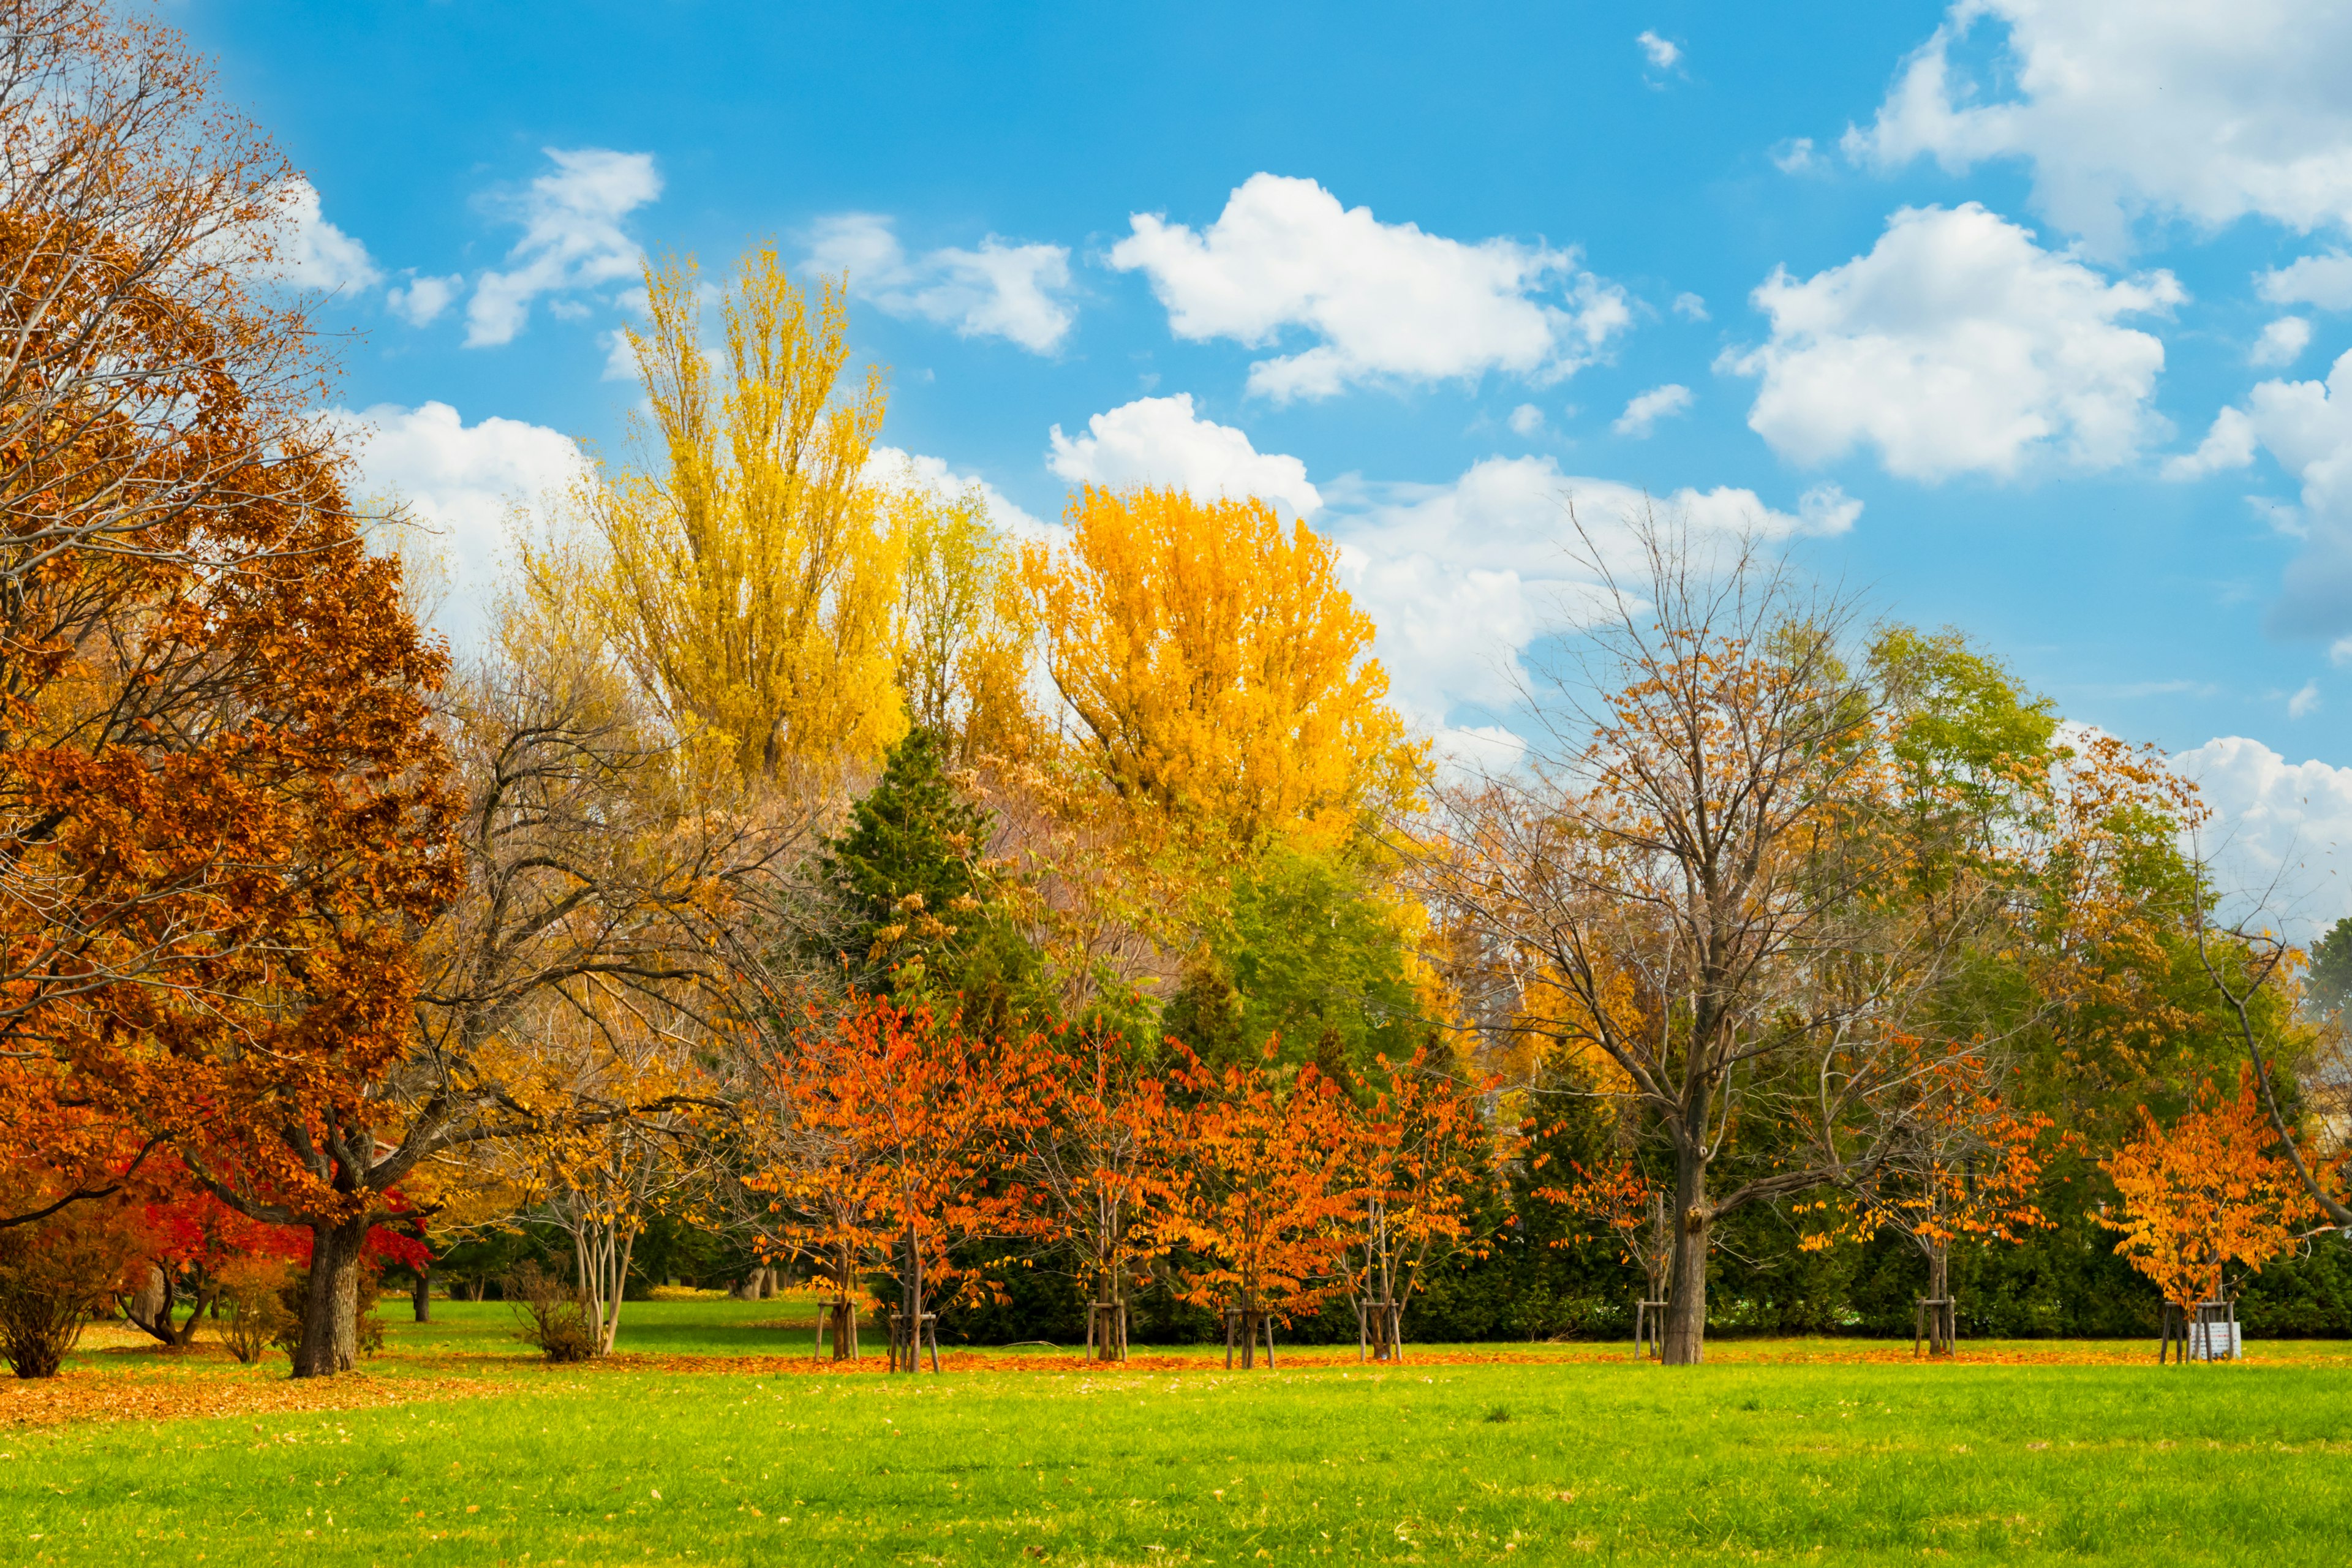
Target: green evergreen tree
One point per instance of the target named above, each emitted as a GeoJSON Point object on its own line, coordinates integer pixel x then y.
{"type": "Point", "coordinates": [912, 913]}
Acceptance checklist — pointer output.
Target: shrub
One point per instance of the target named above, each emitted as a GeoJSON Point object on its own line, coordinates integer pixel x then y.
{"type": "Point", "coordinates": [554, 1316]}
{"type": "Point", "coordinates": [52, 1275]}
{"type": "Point", "coordinates": [254, 1289]}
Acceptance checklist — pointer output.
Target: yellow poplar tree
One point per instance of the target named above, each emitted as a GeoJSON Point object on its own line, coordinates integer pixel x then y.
{"type": "Point", "coordinates": [750, 573]}
{"type": "Point", "coordinates": [965, 627]}
{"type": "Point", "coordinates": [1218, 670]}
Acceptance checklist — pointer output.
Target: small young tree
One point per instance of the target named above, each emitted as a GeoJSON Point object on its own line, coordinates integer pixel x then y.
{"type": "Point", "coordinates": [2212, 1189]}
{"type": "Point", "coordinates": [1962, 1167]}
{"type": "Point", "coordinates": [1259, 1201]}
{"type": "Point", "coordinates": [885, 1139]}
{"type": "Point", "coordinates": [1618, 1196]}
{"type": "Point", "coordinates": [1411, 1157]}
{"type": "Point", "coordinates": [1092, 1163]}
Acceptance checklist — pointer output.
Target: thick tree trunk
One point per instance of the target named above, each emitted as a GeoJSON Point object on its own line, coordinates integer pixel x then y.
{"type": "Point", "coordinates": [420, 1296]}
{"type": "Point", "coordinates": [330, 1311]}
{"type": "Point", "coordinates": [1686, 1304]}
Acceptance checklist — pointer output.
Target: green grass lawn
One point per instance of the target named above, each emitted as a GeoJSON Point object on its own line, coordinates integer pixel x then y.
{"type": "Point", "coordinates": [1579, 1456]}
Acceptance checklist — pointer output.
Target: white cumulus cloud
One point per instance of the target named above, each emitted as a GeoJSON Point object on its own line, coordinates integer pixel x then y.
{"type": "Point", "coordinates": [2323, 281]}
{"type": "Point", "coordinates": [1001, 289]}
{"type": "Point", "coordinates": [1161, 441]}
{"type": "Point", "coordinates": [1663, 53]}
{"type": "Point", "coordinates": [1461, 577]}
{"type": "Point", "coordinates": [2230, 444]}
{"type": "Point", "coordinates": [463, 481]}
{"type": "Point", "coordinates": [1382, 300]}
{"type": "Point", "coordinates": [572, 237]}
{"type": "Point", "coordinates": [894, 467]}
{"type": "Point", "coordinates": [2281, 342]}
{"type": "Point", "coordinates": [2306, 426]}
{"type": "Point", "coordinates": [311, 252]}
{"type": "Point", "coordinates": [1647, 408]}
{"type": "Point", "coordinates": [421, 299]}
{"type": "Point", "coordinates": [2281, 842]}
{"type": "Point", "coordinates": [2127, 110]}
{"type": "Point", "coordinates": [1956, 345]}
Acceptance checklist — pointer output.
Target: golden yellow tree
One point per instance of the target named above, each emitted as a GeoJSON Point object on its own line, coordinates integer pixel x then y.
{"type": "Point", "coordinates": [1218, 668]}
{"type": "Point", "coordinates": [749, 573]}
{"type": "Point", "coordinates": [965, 629]}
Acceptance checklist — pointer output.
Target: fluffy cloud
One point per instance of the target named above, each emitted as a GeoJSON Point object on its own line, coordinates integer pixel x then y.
{"type": "Point", "coordinates": [1956, 345]}
{"type": "Point", "coordinates": [311, 252]}
{"type": "Point", "coordinates": [1462, 578]}
{"type": "Point", "coordinates": [2229, 444]}
{"type": "Point", "coordinates": [2281, 342]}
{"type": "Point", "coordinates": [421, 301]}
{"type": "Point", "coordinates": [1383, 300]}
{"type": "Point", "coordinates": [2306, 426]}
{"type": "Point", "coordinates": [1161, 441]}
{"type": "Point", "coordinates": [571, 237]}
{"type": "Point", "coordinates": [2325, 281]}
{"type": "Point", "coordinates": [999, 290]}
{"type": "Point", "coordinates": [463, 481]}
{"type": "Point", "coordinates": [2281, 842]}
{"type": "Point", "coordinates": [896, 467]}
{"type": "Point", "coordinates": [1647, 408]}
{"type": "Point", "coordinates": [2127, 108]}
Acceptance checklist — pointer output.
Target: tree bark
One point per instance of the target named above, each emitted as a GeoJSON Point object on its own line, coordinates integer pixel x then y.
{"type": "Point", "coordinates": [1687, 1302]}
{"type": "Point", "coordinates": [421, 1296]}
{"type": "Point", "coordinates": [331, 1309]}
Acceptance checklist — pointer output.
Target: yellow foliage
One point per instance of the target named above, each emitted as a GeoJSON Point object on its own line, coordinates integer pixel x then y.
{"type": "Point", "coordinates": [965, 628]}
{"type": "Point", "coordinates": [748, 577]}
{"type": "Point", "coordinates": [1219, 671]}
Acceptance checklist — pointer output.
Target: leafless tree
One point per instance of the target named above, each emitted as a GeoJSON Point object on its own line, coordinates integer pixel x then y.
{"type": "Point", "coordinates": [1686, 884]}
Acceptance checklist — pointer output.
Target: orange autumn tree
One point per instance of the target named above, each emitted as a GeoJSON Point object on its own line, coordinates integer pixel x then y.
{"type": "Point", "coordinates": [1414, 1152]}
{"type": "Point", "coordinates": [1616, 1195]}
{"type": "Point", "coordinates": [889, 1129]}
{"type": "Point", "coordinates": [1960, 1166]}
{"type": "Point", "coordinates": [1093, 1162]}
{"type": "Point", "coordinates": [1256, 1198]}
{"type": "Point", "coordinates": [157, 456]}
{"type": "Point", "coordinates": [2212, 1189]}
{"type": "Point", "coordinates": [1217, 669]}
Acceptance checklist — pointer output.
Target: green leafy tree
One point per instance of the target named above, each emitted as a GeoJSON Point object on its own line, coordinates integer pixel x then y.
{"type": "Point", "coordinates": [2330, 983]}
{"type": "Point", "coordinates": [1305, 951]}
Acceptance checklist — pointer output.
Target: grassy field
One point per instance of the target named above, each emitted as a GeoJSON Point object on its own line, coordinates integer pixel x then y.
{"type": "Point", "coordinates": [709, 1442]}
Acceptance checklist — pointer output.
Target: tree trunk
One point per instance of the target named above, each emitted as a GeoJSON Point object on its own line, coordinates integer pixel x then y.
{"type": "Point", "coordinates": [330, 1310]}
{"type": "Point", "coordinates": [421, 1296]}
{"type": "Point", "coordinates": [1687, 1303]}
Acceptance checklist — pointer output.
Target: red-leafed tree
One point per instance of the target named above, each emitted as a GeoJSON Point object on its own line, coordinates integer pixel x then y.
{"type": "Point", "coordinates": [1091, 1161]}
{"type": "Point", "coordinates": [1260, 1199]}
{"type": "Point", "coordinates": [1414, 1153]}
{"type": "Point", "coordinates": [886, 1138]}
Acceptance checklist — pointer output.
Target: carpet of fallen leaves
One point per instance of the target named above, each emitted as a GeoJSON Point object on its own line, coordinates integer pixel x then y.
{"type": "Point", "coordinates": [79, 1395]}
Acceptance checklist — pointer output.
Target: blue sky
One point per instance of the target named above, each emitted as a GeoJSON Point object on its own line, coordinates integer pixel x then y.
{"type": "Point", "coordinates": [2016, 316]}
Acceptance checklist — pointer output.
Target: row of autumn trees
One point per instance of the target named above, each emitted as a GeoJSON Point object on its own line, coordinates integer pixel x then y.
{"type": "Point", "coordinates": [804, 858]}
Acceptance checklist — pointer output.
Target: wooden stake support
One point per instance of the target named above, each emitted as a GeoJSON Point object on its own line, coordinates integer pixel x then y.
{"type": "Point", "coordinates": [907, 1338]}
{"type": "Point", "coordinates": [2210, 1334]}
{"type": "Point", "coordinates": [1649, 1330]}
{"type": "Point", "coordinates": [1107, 1331]}
{"type": "Point", "coordinates": [1936, 1321]}
{"type": "Point", "coordinates": [1246, 1326]}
